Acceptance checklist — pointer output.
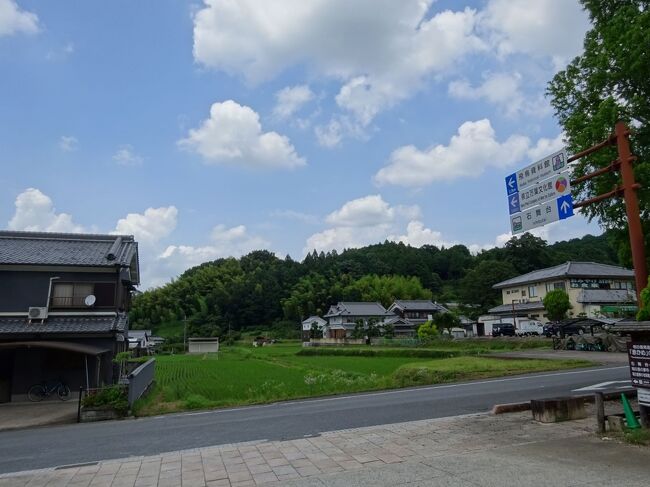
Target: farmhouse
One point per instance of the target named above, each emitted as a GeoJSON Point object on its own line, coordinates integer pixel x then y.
{"type": "Point", "coordinates": [63, 308]}
{"type": "Point", "coordinates": [311, 326]}
{"type": "Point", "coordinates": [594, 289]}
{"type": "Point", "coordinates": [343, 317]}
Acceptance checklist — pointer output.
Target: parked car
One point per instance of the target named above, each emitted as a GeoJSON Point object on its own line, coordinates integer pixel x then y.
{"type": "Point", "coordinates": [530, 328]}
{"type": "Point", "coordinates": [503, 330]}
{"type": "Point", "coordinates": [564, 330]}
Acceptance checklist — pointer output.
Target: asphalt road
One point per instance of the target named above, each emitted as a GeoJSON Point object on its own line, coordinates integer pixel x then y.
{"type": "Point", "coordinates": [71, 444]}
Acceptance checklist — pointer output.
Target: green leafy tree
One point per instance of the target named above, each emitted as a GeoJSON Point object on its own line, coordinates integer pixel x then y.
{"type": "Point", "coordinates": [388, 331]}
{"type": "Point", "coordinates": [557, 304]}
{"type": "Point", "coordinates": [315, 331]}
{"type": "Point", "coordinates": [427, 331]}
{"type": "Point", "coordinates": [359, 330]}
{"type": "Point", "coordinates": [447, 321]}
{"type": "Point", "coordinates": [609, 81]}
{"type": "Point", "coordinates": [476, 286]}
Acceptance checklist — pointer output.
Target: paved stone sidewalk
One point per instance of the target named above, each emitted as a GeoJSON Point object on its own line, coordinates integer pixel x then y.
{"type": "Point", "coordinates": [469, 450]}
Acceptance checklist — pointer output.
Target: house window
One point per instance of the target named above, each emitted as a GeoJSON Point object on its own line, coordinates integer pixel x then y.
{"type": "Point", "coordinates": [551, 286]}
{"type": "Point", "coordinates": [523, 293]}
{"type": "Point", "coordinates": [73, 294]}
{"type": "Point", "coordinates": [532, 291]}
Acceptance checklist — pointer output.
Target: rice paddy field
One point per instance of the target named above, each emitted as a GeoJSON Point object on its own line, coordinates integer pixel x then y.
{"type": "Point", "coordinates": [241, 375]}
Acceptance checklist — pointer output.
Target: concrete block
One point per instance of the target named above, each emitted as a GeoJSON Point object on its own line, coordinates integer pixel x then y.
{"type": "Point", "coordinates": [616, 423]}
{"type": "Point", "coordinates": [558, 409]}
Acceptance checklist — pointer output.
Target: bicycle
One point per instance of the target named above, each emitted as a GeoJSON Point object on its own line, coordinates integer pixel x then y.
{"type": "Point", "coordinates": [38, 392]}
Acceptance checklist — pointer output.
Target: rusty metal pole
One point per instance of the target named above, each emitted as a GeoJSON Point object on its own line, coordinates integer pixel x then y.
{"type": "Point", "coordinates": [632, 208]}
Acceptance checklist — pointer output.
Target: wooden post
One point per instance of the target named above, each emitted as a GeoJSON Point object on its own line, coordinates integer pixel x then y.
{"type": "Point", "coordinates": [600, 412]}
{"type": "Point", "coordinates": [625, 159]}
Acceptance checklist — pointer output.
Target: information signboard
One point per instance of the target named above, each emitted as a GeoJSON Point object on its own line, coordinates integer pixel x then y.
{"type": "Point", "coordinates": [535, 172]}
{"type": "Point", "coordinates": [639, 357]}
{"type": "Point", "coordinates": [540, 215]}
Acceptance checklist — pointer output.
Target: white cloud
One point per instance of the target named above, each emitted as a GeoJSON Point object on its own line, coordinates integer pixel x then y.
{"type": "Point", "coordinates": [503, 90]}
{"type": "Point", "coordinates": [291, 99]}
{"type": "Point", "coordinates": [468, 153]}
{"type": "Point", "coordinates": [546, 28]}
{"type": "Point", "coordinates": [360, 222]}
{"type": "Point", "coordinates": [381, 50]}
{"type": "Point", "coordinates": [226, 242]}
{"type": "Point", "coordinates": [35, 212]}
{"type": "Point", "coordinates": [418, 235]}
{"type": "Point", "coordinates": [149, 227]}
{"type": "Point", "coordinates": [125, 156]}
{"type": "Point", "coordinates": [68, 143]}
{"type": "Point", "coordinates": [545, 146]}
{"type": "Point", "coordinates": [13, 20]}
{"type": "Point", "coordinates": [233, 135]}
{"type": "Point", "coordinates": [369, 211]}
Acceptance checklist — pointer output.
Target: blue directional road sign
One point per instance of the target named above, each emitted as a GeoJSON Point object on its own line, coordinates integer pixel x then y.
{"type": "Point", "coordinates": [564, 206]}
{"type": "Point", "coordinates": [513, 203]}
{"type": "Point", "coordinates": [511, 184]}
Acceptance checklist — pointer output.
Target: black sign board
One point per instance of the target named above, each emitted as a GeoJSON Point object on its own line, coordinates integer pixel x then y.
{"type": "Point", "coordinates": [639, 356]}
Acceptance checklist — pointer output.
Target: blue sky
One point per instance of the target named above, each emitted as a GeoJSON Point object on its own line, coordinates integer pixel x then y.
{"type": "Point", "coordinates": [213, 128]}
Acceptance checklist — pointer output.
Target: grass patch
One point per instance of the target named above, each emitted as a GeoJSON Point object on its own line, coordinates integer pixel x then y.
{"type": "Point", "coordinates": [468, 368]}
{"type": "Point", "coordinates": [245, 375]}
{"type": "Point", "coordinates": [380, 352]}
{"type": "Point", "coordinates": [637, 437]}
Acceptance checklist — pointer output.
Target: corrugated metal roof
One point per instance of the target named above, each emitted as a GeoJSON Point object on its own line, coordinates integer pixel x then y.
{"type": "Point", "coordinates": [606, 296]}
{"type": "Point", "coordinates": [71, 249]}
{"type": "Point", "coordinates": [569, 269]}
{"type": "Point", "coordinates": [64, 324]}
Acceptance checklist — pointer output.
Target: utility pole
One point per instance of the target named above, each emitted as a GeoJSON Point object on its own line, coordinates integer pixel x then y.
{"type": "Point", "coordinates": [184, 333]}
{"type": "Point", "coordinates": [630, 186]}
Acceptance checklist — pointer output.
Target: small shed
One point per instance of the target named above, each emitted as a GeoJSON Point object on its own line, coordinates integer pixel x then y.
{"type": "Point", "coordinates": [203, 345]}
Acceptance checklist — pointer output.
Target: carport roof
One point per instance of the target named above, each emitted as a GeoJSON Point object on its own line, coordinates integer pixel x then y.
{"type": "Point", "coordinates": [64, 324]}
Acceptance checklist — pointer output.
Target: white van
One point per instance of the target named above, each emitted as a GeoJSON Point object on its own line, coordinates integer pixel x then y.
{"type": "Point", "coordinates": [527, 327]}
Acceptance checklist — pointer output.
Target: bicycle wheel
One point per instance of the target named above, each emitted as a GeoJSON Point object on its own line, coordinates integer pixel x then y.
{"type": "Point", "coordinates": [63, 392]}
{"type": "Point", "coordinates": [36, 393]}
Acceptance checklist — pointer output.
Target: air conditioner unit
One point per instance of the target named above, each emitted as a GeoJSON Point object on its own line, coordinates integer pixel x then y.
{"type": "Point", "coordinates": [37, 313]}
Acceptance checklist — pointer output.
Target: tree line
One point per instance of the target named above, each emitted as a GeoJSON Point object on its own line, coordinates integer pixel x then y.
{"type": "Point", "coordinates": [263, 291]}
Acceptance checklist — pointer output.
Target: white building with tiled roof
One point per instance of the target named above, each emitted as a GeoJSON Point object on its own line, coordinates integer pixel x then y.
{"type": "Point", "coordinates": [594, 289]}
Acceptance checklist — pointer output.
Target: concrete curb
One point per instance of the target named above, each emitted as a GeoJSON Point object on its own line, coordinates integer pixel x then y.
{"type": "Point", "coordinates": [513, 407]}
{"type": "Point", "coordinates": [516, 407]}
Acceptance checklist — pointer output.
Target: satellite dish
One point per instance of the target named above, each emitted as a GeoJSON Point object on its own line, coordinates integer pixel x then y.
{"type": "Point", "coordinates": [90, 300]}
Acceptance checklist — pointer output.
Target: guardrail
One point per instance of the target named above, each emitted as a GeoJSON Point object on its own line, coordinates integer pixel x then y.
{"type": "Point", "coordinates": [140, 380]}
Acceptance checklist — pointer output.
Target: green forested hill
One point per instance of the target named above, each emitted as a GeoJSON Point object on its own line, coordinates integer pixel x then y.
{"type": "Point", "coordinates": [261, 290]}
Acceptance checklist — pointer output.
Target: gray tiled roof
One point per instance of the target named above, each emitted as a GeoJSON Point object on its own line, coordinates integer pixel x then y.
{"type": "Point", "coordinates": [606, 296]}
{"type": "Point", "coordinates": [507, 308]}
{"type": "Point", "coordinates": [570, 269]}
{"type": "Point", "coordinates": [419, 305]}
{"type": "Point", "coordinates": [396, 320]}
{"type": "Point", "coordinates": [347, 308]}
{"type": "Point", "coordinates": [70, 249]}
{"type": "Point", "coordinates": [64, 324]}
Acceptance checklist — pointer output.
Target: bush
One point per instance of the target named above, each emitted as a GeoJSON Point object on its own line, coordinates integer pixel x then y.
{"type": "Point", "coordinates": [113, 397]}
{"type": "Point", "coordinates": [427, 331]}
{"type": "Point", "coordinates": [369, 352]}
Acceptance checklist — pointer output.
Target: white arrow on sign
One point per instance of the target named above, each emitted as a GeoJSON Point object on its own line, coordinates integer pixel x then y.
{"type": "Point", "coordinates": [565, 206]}
{"type": "Point", "coordinates": [511, 183]}
{"type": "Point", "coordinates": [606, 385]}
